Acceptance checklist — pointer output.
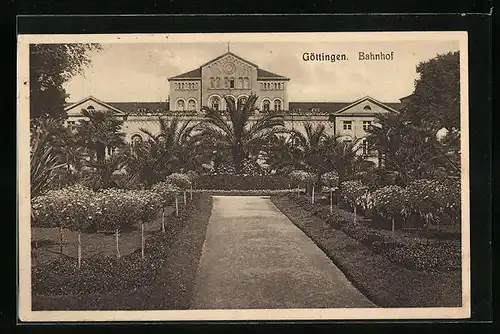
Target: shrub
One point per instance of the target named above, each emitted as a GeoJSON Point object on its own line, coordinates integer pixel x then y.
{"type": "Point", "coordinates": [166, 191]}
{"type": "Point", "coordinates": [435, 201]}
{"type": "Point", "coordinates": [180, 180]}
{"type": "Point", "coordinates": [352, 192]}
{"type": "Point", "coordinates": [412, 253]}
{"type": "Point", "coordinates": [243, 182]}
{"type": "Point", "coordinates": [330, 179]}
{"type": "Point", "coordinates": [390, 202]}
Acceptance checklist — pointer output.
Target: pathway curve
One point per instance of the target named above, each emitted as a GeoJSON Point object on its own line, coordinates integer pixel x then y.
{"type": "Point", "coordinates": [254, 257]}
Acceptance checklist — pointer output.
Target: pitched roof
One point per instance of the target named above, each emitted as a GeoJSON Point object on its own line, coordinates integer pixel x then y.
{"type": "Point", "coordinates": [365, 98]}
{"type": "Point", "coordinates": [196, 73]}
{"type": "Point", "coordinates": [68, 106]}
{"type": "Point", "coordinates": [332, 107]}
{"type": "Point", "coordinates": [263, 74]}
{"type": "Point", "coordinates": [193, 74]}
{"type": "Point", "coordinates": [133, 107]}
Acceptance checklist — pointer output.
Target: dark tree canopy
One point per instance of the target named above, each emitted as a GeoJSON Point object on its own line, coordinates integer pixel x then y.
{"type": "Point", "coordinates": [435, 102]}
{"type": "Point", "coordinates": [51, 65]}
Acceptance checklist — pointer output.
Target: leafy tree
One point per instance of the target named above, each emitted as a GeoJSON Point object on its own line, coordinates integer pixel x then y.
{"type": "Point", "coordinates": [236, 133]}
{"type": "Point", "coordinates": [51, 65]}
{"type": "Point", "coordinates": [435, 102]}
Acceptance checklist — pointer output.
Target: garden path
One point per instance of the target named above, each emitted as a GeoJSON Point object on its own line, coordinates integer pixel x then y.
{"type": "Point", "coordinates": [255, 257]}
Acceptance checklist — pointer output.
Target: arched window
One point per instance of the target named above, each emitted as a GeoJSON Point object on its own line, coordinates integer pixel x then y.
{"type": "Point", "coordinates": [192, 104]}
{"type": "Point", "coordinates": [217, 82]}
{"type": "Point", "coordinates": [136, 139]}
{"type": "Point", "coordinates": [226, 82]}
{"type": "Point", "coordinates": [277, 105]}
{"type": "Point", "coordinates": [246, 83]}
{"type": "Point", "coordinates": [161, 137]}
{"type": "Point", "coordinates": [240, 82]}
{"type": "Point", "coordinates": [90, 108]}
{"type": "Point", "coordinates": [231, 82]}
{"type": "Point", "coordinates": [180, 105]}
{"type": "Point", "coordinates": [242, 100]}
{"type": "Point", "coordinates": [230, 99]}
{"type": "Point", "coordinates": [266, 105]}
{"type": "Point", "coordinates": [212, 82]}
{"type": "Point", "coordinates": [367, 108]}
{"type": "Point", "coordinates": [215, 103]}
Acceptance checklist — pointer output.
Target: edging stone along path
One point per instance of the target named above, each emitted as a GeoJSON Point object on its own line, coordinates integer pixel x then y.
{"type": "Point", "coordinates": [254, 257]}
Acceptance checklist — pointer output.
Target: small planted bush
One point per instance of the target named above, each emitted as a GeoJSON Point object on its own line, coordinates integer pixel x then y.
{"type": "Point", "coordinates": [331, 180]}
{"type": "Point", "coordinates": [354, 193]}
{"type": "Point", "coordinates": [390, 202]}
{"type": "Point", "coordinates": [436, 201]}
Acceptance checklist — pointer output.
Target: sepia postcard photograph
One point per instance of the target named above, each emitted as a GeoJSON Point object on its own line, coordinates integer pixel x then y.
{"type": "Point", "coordinates": [243, 176]}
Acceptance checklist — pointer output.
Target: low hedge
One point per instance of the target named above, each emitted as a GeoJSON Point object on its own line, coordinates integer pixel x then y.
{"type": "Point", "coordinates": [242, 182]}
{"type": "Point", "coordinates": [100, 274]}
{"type": "Point", "coordinates": [412, 253]}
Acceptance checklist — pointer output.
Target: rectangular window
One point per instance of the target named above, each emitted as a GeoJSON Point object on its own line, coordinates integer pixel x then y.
{"type": "Point", "coordinates": [366, 125]}
{"type": "Point", "coordinates": [347, 125]}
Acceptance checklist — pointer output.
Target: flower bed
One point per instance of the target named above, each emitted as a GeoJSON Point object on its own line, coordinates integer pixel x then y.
{"type": "Point", "coordinates": [243, 182]}
{"type": "Point", "coordinates": [107, 274]}
{"type": "Point", "coordinates": [402, 248]}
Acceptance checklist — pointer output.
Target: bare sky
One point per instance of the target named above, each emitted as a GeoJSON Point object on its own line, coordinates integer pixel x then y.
{"type": "Point", "coordinates": [139, 72]}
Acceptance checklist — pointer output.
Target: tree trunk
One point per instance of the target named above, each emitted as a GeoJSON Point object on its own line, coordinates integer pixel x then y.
{"type": "Point", "coordinates": [298, 191]}
{"type": "Point", "coordinates": [354, 213]}
{"type": "Point", "coordinates": [312, 195]}
{"type": "Point", "coordinates": [331, 200]}
{"type": "Point", "coordinates": [142, 240]}
{"type": "Point", "coordinates": [163, 220]}
{"type": "Point", "coordinates": [117, 246]}
{"type": "Point", "coordinates": [191, 192]}
{"type": "Point", "coordinates": [393, 225]}
{"type": "Point", "coordinates": [185, 200]}
{"type": "Point", "coordinates": [79, 250]}
{"type": "Point", "coordinates": [176, 206]}
{"type": "Point", "coordinates": [60, 239]}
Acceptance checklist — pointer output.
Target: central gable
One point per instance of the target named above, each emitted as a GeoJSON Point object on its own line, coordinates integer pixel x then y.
{"type": "Point", "coordinates": [229, 64]}
{"type": "Point", "coordinates": [366, 106]}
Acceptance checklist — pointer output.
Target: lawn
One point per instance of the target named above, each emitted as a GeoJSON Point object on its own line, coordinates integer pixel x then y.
{"type": "Point", "coordinates": [172, 286]}
{"type": "Point", "coordinates": [45, 241]}
{"type": "Point", "coordinates": [383, 281]}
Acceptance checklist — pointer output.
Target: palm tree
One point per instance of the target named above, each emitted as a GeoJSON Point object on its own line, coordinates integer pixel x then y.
{"type": "Point", "coordinates": [311, 145]}
{"type": "Point", "coordinates": [342, 156]}
{"type": "Point", "coordinates": [173, 149]}
{"type": "Point", "coordinates": [236, 133]}
{"type": "Point", "coordinates": [282, 155]}
{"type": "Point", "coordinates": [98, 131]}
{"type": "Point", "coordinates": [43, 164]}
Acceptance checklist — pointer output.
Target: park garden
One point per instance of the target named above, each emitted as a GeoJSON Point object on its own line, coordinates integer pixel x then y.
{"type": "Point", "coordinates": [113, 224]}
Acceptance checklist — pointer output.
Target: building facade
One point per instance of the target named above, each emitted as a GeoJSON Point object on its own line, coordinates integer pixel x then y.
{"type": "Point", "coordinates": [234, 77]}
{"type": "Point", "coordinates": [227, 75]}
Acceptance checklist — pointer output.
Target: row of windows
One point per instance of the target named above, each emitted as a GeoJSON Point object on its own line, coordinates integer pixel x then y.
{"type": "Point", "coordinates": [277, 104]}
{"type": "Point", "coordinates": [186, 85]}
{"type": "Point", "coordinates": [216, 101]}
{"type": "Point", "coordinates": [241, 82]}
{"type": "Point", "coordinates": [272, 85]}
{"type": "Point", "coordinates": [347, 125]}
{"type": "Point", "coordinates": [181, 105]}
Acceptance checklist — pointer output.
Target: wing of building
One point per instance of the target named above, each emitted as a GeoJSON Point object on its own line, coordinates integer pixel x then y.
{"type": "Point", "coordinates": [234, 77]}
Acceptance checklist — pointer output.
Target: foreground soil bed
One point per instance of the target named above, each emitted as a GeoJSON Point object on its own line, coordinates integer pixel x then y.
{"type": "Point", "coordinates": [382, 281]}
{"type": "Point", "coordinates": [173, 286]}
